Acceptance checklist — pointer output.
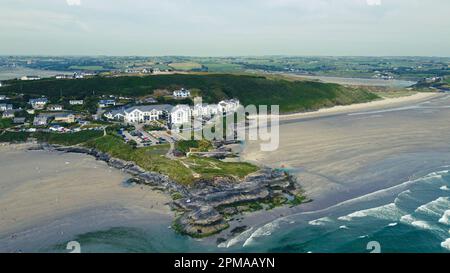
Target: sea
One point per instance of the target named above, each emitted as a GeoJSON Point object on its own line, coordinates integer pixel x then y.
{"type": "Point", "coordinates": [412, 217]}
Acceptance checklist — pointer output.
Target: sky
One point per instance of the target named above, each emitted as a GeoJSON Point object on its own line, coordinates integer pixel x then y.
{"type": "Point", "coordinates": [225, 28]}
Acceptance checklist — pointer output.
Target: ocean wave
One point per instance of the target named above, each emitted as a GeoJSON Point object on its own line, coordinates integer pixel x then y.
{"type": "Point", "coordinates": [407, 219]}
{"type": "Point", "coordinates": [422, 225]}
{"type": "Point", "coordinates": [446, 244]}
{"type": "Point", "coordinates": [386, 212]}
{"type": "Point", "coordinates": [343, 227]}
{"type": "Point", "coordinates": [238, 239]}
{"type": "Point", "coordinates": [445, 219]}
{"type": "Point", "coordinates": [320, 222]}
{"type": "Point", "coordinates": [265, 230]}
{"type": "Point", "coordinates": [436, 207]}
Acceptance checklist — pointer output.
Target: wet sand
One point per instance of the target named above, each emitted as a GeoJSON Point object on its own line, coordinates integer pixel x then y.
{"type": "Point", "coordinates": [48, 197]}
{"type": "Point", "coordinates": [344, 155]}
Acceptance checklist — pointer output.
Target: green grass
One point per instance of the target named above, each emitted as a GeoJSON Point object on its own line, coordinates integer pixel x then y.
{"type": "Point", "coordinates": [292, 96]}
{"type": "Point", "coordinates": [185, 66]}
{"type": "Point", "coordinates": [183, 170]}
{"type": "Point", "coordinates": [87, 67]}
{"type": "Point", "coordinates": [149, 158]}
{"type": "Point", "coordinates": [5, 123]}
{"type": "Point", "coordinates": [13, 136]}
{"type": "Point", "coordinates": [52, 138]}
{"type": "Point", "coordinates": [67, 139]}
{"type": "Point", "coordinates": [210, 167]}
{"type": "Point", "coordinates": [184, 146]}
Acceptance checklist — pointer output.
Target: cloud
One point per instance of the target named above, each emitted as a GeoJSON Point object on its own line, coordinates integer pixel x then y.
{"type": "Point", "coordinates": [73, 2]}
{"type": "Point", "coordinates": [374, 2]}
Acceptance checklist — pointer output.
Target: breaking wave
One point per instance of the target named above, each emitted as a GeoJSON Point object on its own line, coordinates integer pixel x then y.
{"type": "Point", "coordinates": [435, 208]}
{"type": "Point", "coordinates": [445, 219]}
{"type": "Point", "coordinates": [386, 212]}
{"type": "Point", "coordinates": [320, 222]}
{"type": "Point", "coordinates": [446, 244]}
{"type": "Point", "coordinates": [238, 239]}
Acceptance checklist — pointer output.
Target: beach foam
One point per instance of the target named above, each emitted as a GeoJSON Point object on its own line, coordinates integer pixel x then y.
{"type": "Point", "coordinates": [320, 222]}
{"type": "Point", "coordinates": [445, 219]}
{"type": "Point", "coordinates": [446, 244]}
{"type": "Point", "coordinates": [422, 225]}
{"type": "Point", "coordinates": [436, 207]}
{"type": "Point", "coordinates": [265, 230]}
{"type": "Point", "coordinates": [386, 212]}
{"type": "Point", "coordinates": [238, 239]}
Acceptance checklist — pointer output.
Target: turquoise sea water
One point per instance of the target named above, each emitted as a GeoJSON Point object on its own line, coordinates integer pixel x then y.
{"type": "Point", "coordinates": [411, 217]}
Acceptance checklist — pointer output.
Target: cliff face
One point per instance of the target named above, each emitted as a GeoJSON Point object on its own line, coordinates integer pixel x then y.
{"type": "Point", "coordinates": [206, 206]}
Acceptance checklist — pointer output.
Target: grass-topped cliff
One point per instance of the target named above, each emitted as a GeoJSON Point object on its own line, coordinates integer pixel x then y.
{"type": "Point", "coordinates": [292, 96]}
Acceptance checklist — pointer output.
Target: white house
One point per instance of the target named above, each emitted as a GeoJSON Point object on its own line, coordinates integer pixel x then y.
{"type": "Point", "coordinates": [40, 120]}
{"type": "Point", "coordinates": [182, 93]}
{"type": "Point", "coordinates": [106, 103]}
{"type": "Point", "coordinates": [38, 103]}
{"type": "Point", "coordinates": [9, 114]}
{"type": "Point", "coordinates": [63, 76]}
{"type": "Point", "coordinates": [229, 106]}
{"type": "Point", "coordinates": [30, 78]}
{"type": "Point", "coordinates": [55, 107]}
{"type": "Point", "coordinates": [76, 102]}
{"type": "Point", "coordinates": [5, 107]}
{"type": "Point", "coordinates": [180, 114]}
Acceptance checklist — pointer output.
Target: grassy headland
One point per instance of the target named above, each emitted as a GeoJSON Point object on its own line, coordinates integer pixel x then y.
{"type": "Point", "coordinates": [184, 170]}
{"type": "Point", "coordinates": [292, 96]}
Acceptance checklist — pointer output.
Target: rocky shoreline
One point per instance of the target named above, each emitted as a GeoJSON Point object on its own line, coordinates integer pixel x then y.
{"type": "Point", "coordinates": [207, 207]}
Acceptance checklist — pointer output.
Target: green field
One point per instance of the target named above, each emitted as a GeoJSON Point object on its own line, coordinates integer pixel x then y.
{"type": "Point", "coordinates": [185, 66]}
{"type": "Point", "coordinates": [87, 67]}
{"type": "Point", "coordinates": [291, 96]}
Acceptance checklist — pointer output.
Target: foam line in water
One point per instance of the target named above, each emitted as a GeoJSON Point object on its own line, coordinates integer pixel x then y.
{"type": "Point", "coordinates": [238, 239]}
{"type": "Point", "coordinates": [445, 219]}
{"type": "Point", "coordinates": [320, 222]}
{"type": "Point", "coordinates": [386, 212]}
{"type": "Point", "coordinates": [269, 228]}
{"type": "Point", "coordinates": [446, 244]}
{"type": "Point", "coordinates": [435, 208]}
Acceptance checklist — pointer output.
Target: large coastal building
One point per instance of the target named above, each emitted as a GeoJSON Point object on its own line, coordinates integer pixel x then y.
{"type": "Point", "coordinates": [176, 116]}
{"type": "Point", "coordinates": [180, 114]}
{"type": "Point", "coordinates": [140, 114]}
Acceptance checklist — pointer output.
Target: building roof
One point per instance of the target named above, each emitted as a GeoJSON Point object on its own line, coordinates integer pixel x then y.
{"type": "Point", "coordinates": [149, 108]}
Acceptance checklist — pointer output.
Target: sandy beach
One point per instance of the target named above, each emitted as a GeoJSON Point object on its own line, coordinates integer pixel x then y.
{"type": "Point", "coordinates": [47, 198]}
{"type": "Point", "coordinates": [348, 151]}
{"type": "Point", "coordinates": [373, 105]}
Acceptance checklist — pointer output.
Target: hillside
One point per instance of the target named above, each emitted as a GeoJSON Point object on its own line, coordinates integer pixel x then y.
{"type": "Point", "coordinates": [291, 96]}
